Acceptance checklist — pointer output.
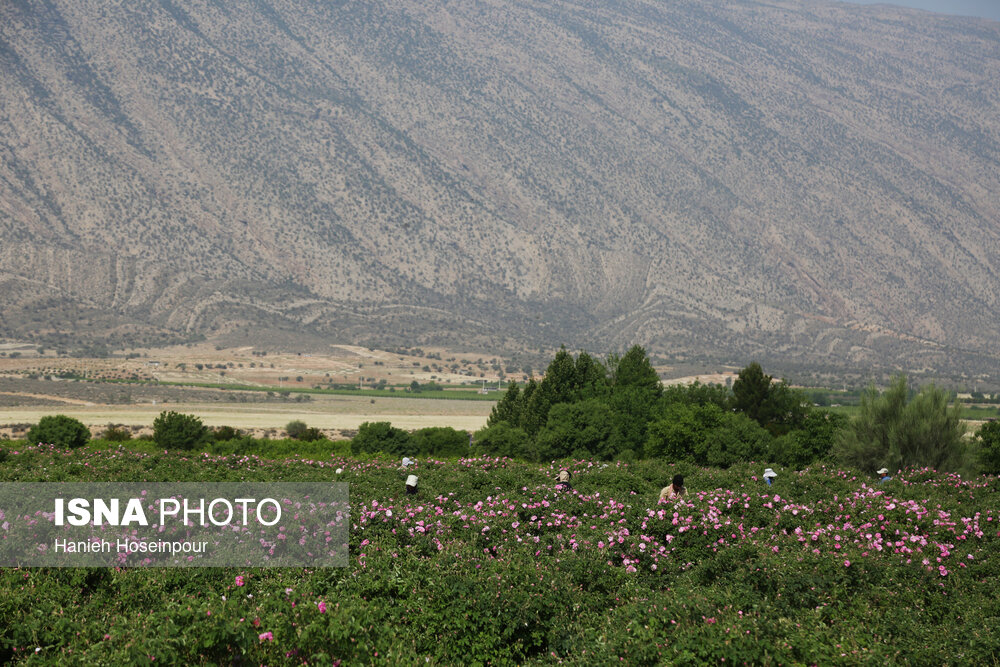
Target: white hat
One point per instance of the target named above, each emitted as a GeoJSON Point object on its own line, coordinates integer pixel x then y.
{"type": "Point", "coordinates": [407, 461]}
{"type": "Point", "coordinates": [411, 480]}
{"type": "Point", "coordinates": [883, 471]}
{"type": "Point", "coordinates": [769, 473]}
{"type": "Point", "coordinates": [340, 470]}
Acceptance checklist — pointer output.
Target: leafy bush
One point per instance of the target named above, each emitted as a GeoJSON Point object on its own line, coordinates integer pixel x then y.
{"type": "Point", "coordinates": [299, 431]}
{"type": "Point", "coordinates": [112, 434]}
{"type": "Point", "coordinates": [894, 431]}
{"type": "Point", "coordinates": [381, 437]}
{"type": "Point", "coordinates": [59, 430]}
{"type": "Point", "coordinates": [706, 435]}
{"type": "Point", "coordinates": [280, 449]}
{"type": "Point", "coordinates": [491, 565]}
{"type": "Point", "coordinates": [812, 442]}
{"type": "Point", "coordinates": [441, 441]}
{"type": "Point", "coordinates": [226, 433]}
{"type": "Point", "coordinates": [774, 405]}
{"type": "Point", "coordinates": [501, 439]}
{"type": "Point", "coordinates": [988, 447]}
{"type": "Point", "coordinates": [173, 430]}
{"type": "Point", "coordinates": [295, 428]}
{"type": "Point", "coordinates": [697, 393]}
{"type": "Point", "coordinates": [582, 429]}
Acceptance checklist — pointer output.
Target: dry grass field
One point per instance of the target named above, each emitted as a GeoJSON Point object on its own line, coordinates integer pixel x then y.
{"type": "Point", "coordinates": [34, 385]}
{"type": "Point", "coordinates": [329, 413]}
{"type": "Point", "coordinates": [203, 362]}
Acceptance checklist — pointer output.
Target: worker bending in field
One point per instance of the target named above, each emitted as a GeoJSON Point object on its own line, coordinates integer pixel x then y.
{"type": "Point", "coordinates": [675, 490]}
{"type": "Point", "coordinates": [411, 485]}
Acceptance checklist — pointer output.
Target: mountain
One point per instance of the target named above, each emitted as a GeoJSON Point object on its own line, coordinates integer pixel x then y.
{"type": "Point", "coordinates": [778, 179]}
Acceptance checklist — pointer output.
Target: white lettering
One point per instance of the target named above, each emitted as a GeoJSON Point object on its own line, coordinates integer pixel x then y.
{"type": "Point", "coordinates": [104, 513]}
{"type": "Point", "coordinates": [80, 508]}
{"type": "Point", "coordinates": [243, 503]}
{"type": "Point", "coordinates": [200, 511]}
{"type": "Point", "coordinates": [176, 507]}
{"type": "Point", "coordinates": [260, 513]}
{"type": "Point", "coordinates": [134, 513]}
{"type": "Point", "coordinates": [211, 511]}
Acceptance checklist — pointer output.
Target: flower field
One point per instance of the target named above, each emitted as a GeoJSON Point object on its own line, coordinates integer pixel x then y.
{"type": "Point", "coordinates": [489, 563]}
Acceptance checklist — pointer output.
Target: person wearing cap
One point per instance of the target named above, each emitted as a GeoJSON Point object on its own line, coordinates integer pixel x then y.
{"type": "Point", "coordinates": [769, 475]}
{"type": "Point", "coordinates": [562, 480]}
{"type": "Point", "coordinates": [883, 474]}
{"type": "Point", "coordinates": [674, 490]}
{"type": "Point", "coordinates": [411, 485]}
{"type": "Point", "coordinates": [407, 462]}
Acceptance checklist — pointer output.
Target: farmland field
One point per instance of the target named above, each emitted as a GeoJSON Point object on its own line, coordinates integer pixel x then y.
{"type": "Point", "coordinates": [491, 564]}
{"type": "Point", "coordinates": [330, 412]}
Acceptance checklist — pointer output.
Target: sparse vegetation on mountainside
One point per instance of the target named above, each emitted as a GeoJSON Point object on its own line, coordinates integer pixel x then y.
{"type": "Point", "coordinates": [714, 180]}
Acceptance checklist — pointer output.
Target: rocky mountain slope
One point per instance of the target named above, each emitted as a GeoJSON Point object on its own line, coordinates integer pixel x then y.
{"type": "Point", "coordinates": [789, 179]}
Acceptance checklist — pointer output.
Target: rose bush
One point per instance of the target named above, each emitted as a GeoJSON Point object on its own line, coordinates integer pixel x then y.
{"type": "Point", "coordinates": [489, 563]}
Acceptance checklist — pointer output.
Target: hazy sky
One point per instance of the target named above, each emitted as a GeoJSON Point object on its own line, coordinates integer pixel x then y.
{"type": "Point", "coordinates": [987, 8]}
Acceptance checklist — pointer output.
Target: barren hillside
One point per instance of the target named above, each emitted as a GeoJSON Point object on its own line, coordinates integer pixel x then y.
{"type": "Point", "coordinates": [810, 181]}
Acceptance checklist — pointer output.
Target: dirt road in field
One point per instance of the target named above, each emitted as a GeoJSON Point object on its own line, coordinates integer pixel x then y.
{"type": "Point", "coordinates": [47, 397]}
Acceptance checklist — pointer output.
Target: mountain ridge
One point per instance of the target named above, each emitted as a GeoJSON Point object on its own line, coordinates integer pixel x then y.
{"type": "Point", "coordinates": [800, 180]}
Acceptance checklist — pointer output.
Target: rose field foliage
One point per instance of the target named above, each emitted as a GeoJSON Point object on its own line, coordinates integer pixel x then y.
{"type": "Point", "coordinates": [489, 564]}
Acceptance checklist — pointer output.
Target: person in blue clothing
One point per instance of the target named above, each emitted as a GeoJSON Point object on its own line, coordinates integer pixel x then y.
{"type": "Point", "coordinates": [769, 476]}
{"type": "Point", "coordinates": [883, 476]}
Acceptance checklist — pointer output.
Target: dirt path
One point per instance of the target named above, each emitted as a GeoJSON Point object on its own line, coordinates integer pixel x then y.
{"type": "Point", "coordinates": [48, 397]}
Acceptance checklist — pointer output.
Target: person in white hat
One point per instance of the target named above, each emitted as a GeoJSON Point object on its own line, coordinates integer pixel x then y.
{"type": "Point", "coordinates": [411, 485]}
{"type": "Point", "coordinates": [562, 480]}
{"type": "Point", "coordinates": [769, 475]}
{"type": "Point", "coordinates": [407, 462]}
{"type": "Point", "coordinates": [883, 474]}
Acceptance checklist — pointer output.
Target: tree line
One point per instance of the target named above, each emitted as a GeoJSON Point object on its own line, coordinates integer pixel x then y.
{"type": "Point", "coordinates": [618, 409]}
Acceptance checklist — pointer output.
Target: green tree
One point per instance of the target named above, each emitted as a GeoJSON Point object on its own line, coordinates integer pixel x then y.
{"type": "Point", "coordinates": [751, 390]}
{"type": "Point", "coordinates": [591, 378]}
{"type": "Point", "coordinates": [380, 437]}
{"type": "Point", "coordinates": [634, 369]}
{"type": "Point", "coordinates": [635, 390]}
{"type": "Point", "coordinates": [812, 441]}
{"type": "Point", "coordinates": [706, 435]}
{"type": "Point", "coordinates": [506, 409]}
{"type": "Point", "coordinates": [580, 429]}
{"type": "Point", "coordinates": [697, 393]}
{"type": "Point", "coordinates": [895, 431]}
{"type": "Point", "coordinates": [631, 411]}
{"type": "Point", "coordinates": [558, 386]}
{"type": "Point", "coordinates": [988, 447]}
{"type": "Point", "coordinates": [295, 428]}
{"type": "Point", "coordinates": [173, 430]}
{"type": "Point", "coordinates": [59, 430]}
{"type": "Point", "coordinates": [503, 439]}
{"type": "Point", "coordinates": [774, 405]}
{"type": "Point", "coordinates": [441, 441]}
